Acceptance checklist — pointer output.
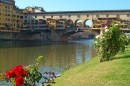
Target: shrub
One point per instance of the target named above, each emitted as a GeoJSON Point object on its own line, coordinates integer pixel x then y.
{"type": "Point", "coordinates": [110, 42]}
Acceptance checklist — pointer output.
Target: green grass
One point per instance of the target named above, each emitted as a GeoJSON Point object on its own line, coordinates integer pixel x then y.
{"type": "Point", "coordinates": [115, 72]}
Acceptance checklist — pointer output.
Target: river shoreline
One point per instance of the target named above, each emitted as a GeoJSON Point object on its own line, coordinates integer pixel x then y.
{"type": "Point", "coordinates": [58, 55]}
{"type": "Point", "coordinates": [95, 73]}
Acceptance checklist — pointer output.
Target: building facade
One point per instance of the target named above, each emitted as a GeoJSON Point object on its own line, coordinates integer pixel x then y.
{"type": "Point", "coordinates": [11, 17]}
{"type": "Point", "coordinates": [17, 20]}
{"type": "Point", "coordinates": [6, 13]}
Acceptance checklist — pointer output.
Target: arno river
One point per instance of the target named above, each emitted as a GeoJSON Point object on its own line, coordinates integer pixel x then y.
{"type": "Point", "coordinates": [58, 55]}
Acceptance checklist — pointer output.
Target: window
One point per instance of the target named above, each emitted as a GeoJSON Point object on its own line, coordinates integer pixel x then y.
{"type": "Point", "coordinates": [69, 16]}
{"type": "Point", "coordinates": [43, 16]}
{"type": "Point", "coordinates": [87, 15]}
{"type": "Point", "coordinates": [36, 21]}
{"type": "Point", "coordinates": [5, 6]}
{"type": "Point", "coordinates": [25, 16]}
{"type": "Point", "coordinates": [78, 16]}
{"type": "Point", "coordinates": [107, 15]}
{"type": "Point", "coordinates": [60, 16]}
{"type": "Point", "coordinates": [21, 17]}
{"type": "Point", "coordinates": [14, 16]}
{"type": "Point", "coordinates": [32, 20]}
{"type": "Point", "coordinates": [127, 15]}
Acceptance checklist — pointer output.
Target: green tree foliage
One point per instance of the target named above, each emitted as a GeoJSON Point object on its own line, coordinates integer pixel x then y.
{"type": "Point", "coordinates": [110, 42]}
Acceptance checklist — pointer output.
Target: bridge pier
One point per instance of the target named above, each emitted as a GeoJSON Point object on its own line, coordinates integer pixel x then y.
{"type": "Point", "coordinates": [56, 35]}
{"type": "Point", "coordinates": [63, 39]}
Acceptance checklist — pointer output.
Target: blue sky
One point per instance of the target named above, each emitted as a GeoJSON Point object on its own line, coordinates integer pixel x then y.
{"type": "Point", "coordinates": [73, 5]}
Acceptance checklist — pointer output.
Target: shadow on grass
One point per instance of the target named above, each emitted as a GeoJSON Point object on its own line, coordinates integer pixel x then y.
{"type": "Point", "coordinates": [121, 57]}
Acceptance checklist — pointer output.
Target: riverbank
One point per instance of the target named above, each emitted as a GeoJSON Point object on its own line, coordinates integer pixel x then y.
{"type": "Point", "coordinates": [93, 73]}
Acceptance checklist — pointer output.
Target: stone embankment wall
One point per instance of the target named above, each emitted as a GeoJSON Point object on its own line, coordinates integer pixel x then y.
{"type": "Point", "coordinates": [43, 36]}
{"type": "Point", "coordinates": [34, 36]}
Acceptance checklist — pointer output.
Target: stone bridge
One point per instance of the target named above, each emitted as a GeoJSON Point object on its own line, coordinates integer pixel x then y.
{"type": "Point", "coordinates": [54, 34]}
{"type": "Point", "coordinates": [60, 25]}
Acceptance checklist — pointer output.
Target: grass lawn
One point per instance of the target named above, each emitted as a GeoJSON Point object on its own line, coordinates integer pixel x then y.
{"type": "Point", "coordinates": [115, 72]}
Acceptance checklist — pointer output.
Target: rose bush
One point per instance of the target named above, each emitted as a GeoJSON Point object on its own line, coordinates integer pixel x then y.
{"type": "Point", "coordinates": [16, 75]}
{"type": "Point", "coordinates": [25, 76]}
{"type": "Point", "coordinates": [110, 42]}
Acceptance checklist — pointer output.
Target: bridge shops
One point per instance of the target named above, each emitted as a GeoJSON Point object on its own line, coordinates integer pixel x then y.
{"type": "Point", "coordinates": [64, 19]}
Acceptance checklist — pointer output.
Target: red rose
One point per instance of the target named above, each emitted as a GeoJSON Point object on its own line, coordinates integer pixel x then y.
{"type": "Point", "coordinates": [10, 73]}
{"type": "Point", "coordinates": [25, 73]}
{"type": "Point", "coordinates": [19, 81]}
{"type": "Point", "coordinates": [19, 70]}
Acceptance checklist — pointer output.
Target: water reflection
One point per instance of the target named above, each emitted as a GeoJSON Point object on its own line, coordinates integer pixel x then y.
{"type": "Point", "coordinates": [84, 51]}
{"type": "Point", "coordinates": [58, 56]}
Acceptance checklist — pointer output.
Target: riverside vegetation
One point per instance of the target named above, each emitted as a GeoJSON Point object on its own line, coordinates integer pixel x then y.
{"type": "Point", "coordinates": [114, 72]}
{"type": "Point", "coordinates": [113, 69]}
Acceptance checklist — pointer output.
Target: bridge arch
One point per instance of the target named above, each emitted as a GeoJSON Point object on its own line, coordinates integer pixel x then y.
{"type": "Point", "coordinates": [78, 23]}
{"type": "Point", "coordinates": [69, 23]}
{"type": "Point", "coordinates": [74, 34]}
{"type": "Point", "coordinates": [88, 23]}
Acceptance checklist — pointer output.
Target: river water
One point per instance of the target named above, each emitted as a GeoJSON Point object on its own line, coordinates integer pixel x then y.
{"type": "Point", "coordinates": [58, 55]}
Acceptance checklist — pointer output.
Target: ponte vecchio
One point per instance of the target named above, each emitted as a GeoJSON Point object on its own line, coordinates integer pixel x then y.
{"type": "Point", "coordinates": [65, 19]}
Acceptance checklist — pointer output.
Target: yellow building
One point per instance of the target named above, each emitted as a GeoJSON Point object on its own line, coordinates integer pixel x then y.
{"type": "Point", "coordinates": [11, 17]}
{"type": "Point", "coordinates": [17, 20]}
{"type": "Point", "coordinates": [6, 13]}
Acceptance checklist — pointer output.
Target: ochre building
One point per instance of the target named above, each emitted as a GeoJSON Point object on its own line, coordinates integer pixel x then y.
{"type": "Point", "coordinates": [11, 17]}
